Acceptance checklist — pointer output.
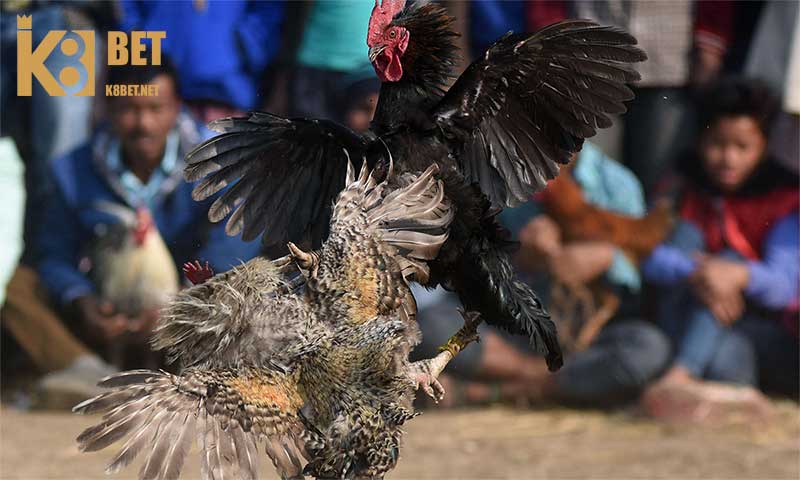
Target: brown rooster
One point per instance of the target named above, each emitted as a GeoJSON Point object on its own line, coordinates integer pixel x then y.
{"type": "Point", "coordinates": [582, 310]}
{"type": "Point", "coordinates": [312, 368]}
{"type": "Point", "coordinates": [581, 221]}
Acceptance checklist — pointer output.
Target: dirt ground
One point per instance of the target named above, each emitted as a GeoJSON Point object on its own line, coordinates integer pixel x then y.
{"type": "Point", "coordinates": [483, 444]}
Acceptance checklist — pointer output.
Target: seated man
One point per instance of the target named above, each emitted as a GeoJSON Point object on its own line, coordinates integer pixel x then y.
{"type": "Point", "coordinates": [120, 222]}
{"type": "Point", "coordinates": [563, 245]}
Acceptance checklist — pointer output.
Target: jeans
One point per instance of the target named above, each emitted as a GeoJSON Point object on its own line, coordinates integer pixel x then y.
{"type": "Point", "coordinates": [705, 347]}
{"type": "Point", "coordinates": [776, 356]}
{"type": "Point", "coordinates": [756, 350]}
{"type": "Point", "coordinates": [624, 358]}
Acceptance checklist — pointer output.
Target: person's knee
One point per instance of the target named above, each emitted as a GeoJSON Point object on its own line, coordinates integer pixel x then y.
{"type": "Point", "coordinates": [625, 359]}
{"type": "Point", "coordinates": [734, 360]}
{"type": "Point", "coordinates": [646, 353]}
{"type": "Point", "coordinates": [699, 314]}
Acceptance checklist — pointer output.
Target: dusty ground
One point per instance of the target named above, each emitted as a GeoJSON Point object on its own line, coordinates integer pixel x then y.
{"type": "Point", "coordinates": [484, 444]}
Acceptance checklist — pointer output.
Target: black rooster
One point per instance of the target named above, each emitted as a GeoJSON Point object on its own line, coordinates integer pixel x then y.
{"type": "Point", "coordinates": [498, 135]}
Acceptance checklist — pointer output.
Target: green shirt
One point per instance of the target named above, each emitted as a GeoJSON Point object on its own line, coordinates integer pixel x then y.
{"type": "Point", "coordinates": [335, 37]}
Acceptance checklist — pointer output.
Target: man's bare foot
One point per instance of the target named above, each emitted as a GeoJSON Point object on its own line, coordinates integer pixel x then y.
{"type": "Point", "coordinates": [679, 397]}
{"type": "Point", "coordinates": [503, 362]}
{"type": "Point", "coordinates": [542, 390]}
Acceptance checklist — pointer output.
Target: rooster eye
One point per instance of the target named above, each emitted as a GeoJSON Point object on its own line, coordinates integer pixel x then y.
{"type": "Point", "coordinates": [392, 33]}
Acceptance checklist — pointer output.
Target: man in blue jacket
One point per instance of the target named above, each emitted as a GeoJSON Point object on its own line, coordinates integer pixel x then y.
{"type": "Point", "coordinates": [136, 164]}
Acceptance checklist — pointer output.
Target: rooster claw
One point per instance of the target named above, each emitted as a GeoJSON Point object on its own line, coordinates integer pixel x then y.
{"type": "Point", "coordinates": [433, 389]}
{"type": "Point", "coordinates": [429, 384]}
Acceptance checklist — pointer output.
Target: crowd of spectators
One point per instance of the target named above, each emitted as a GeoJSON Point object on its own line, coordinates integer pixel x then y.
{"type": "Point", "coordinates": [688, 306]}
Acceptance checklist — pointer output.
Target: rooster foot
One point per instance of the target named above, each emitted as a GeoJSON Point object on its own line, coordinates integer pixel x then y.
{"type": "Point", "coordinates": [423, 374]}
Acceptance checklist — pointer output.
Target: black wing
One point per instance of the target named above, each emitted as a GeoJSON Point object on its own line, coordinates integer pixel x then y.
{"type": "Point", "coordinates": [283, 175]}
{"type": "Point", "coordinates": [527, 104]}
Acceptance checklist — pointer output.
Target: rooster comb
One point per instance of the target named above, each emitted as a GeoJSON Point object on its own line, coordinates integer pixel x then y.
{"type": "Point", "coordinates": [382, 14]}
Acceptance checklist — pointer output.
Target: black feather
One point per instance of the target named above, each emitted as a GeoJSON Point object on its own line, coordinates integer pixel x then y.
{"type": "Point", "coordinates": [277, 173]}
{"type": "Point", "coordinates": [567, 78]}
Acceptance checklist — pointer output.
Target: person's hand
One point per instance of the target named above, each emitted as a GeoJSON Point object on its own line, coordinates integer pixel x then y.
{"type": "Point", "coordinates": [727, 308]}
{"type": "Point", "coordinates": [145, 322]}
{"type": "Point", "coordinates": [539, 240]}
{"type": "Point", "coordinates": [706, 65]}
{"type": "Point", "coordinates": [580, 262]}
{"type": "Point", "coordinates": [719, 284]}
{"type": "Point", "coordinates": [541, 236]}
{"type": "Point", "coordinates": [719, 277]}
{"type": "Point", "coordinates": [100, 317]}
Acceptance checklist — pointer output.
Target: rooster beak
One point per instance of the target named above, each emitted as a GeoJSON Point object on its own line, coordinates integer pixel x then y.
{"type": "Point", "coordinates": [375, 51]}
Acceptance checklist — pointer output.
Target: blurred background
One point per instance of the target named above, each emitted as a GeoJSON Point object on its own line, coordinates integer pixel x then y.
{"type": "Point", "coordinates": [668, 252]}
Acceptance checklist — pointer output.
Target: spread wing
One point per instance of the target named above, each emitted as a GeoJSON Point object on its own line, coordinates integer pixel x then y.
{"type": "Point", "coordinates": [388, 230]}
{"type": "Point", "coordinates": [409, 214]}
{"type": "Point", "coordinates": [231, 415]}
{"type": "Point", "coordinates": [283, 175]}
{"type": "Point", "coordinates": [248, 314]}
{"type": "Point", "coordinates": [527, 104]}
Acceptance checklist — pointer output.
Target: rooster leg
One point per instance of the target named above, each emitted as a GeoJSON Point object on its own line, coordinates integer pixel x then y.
{"type": "Point", "coordinates": [425, 373]}
{"type": "Point", "coordinates": [287, 267]}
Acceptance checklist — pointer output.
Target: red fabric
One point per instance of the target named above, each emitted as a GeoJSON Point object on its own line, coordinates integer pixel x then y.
{"type": "Point", "coordinates": [545, 12]}
{"type": "Point", "coordinates": [740, 223]}
{"type": "Point", "coordinates": [714, 19]}
{"type": "Point", "coordinates": [734, 236]}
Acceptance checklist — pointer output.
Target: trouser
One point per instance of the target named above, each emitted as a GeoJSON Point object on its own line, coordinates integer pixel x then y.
{"type": "Point", "coordinates": [624, 358]}
{"type": "Point", "coordinates": [56, 124]}
{"type": "Point", "coordinates": [756, 350]}
{"type": "Point", "coordinates": [35, 326]}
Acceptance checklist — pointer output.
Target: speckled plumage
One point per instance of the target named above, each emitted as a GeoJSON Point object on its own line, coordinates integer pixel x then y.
{"type": "Point", "coordinates": [312, 368]}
